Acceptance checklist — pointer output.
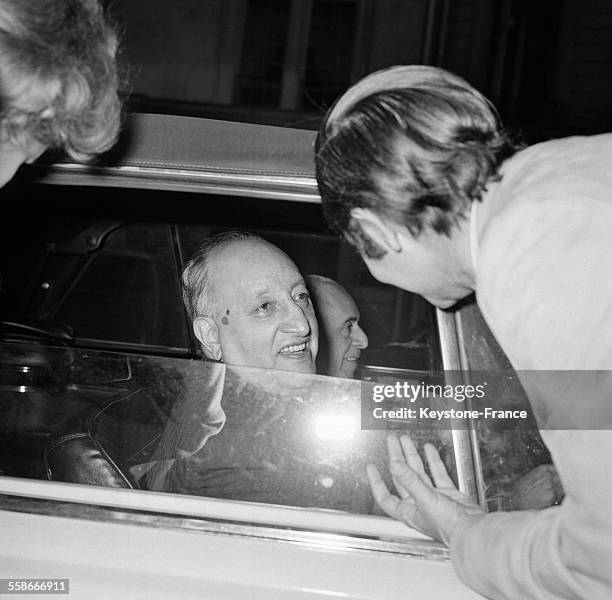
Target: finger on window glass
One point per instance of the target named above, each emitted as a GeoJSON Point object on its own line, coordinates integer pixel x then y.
{"type": "Point", "coordinates": [387, 501]}
{"type": "Point", "coordinates": [437, 469]}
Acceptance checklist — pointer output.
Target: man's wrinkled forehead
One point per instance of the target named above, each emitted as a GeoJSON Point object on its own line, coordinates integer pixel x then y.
{"type": "Point", "coordinates": [245, 270]}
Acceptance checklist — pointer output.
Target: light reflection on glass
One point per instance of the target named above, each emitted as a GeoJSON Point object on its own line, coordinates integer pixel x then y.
{"type": "Point", "coordinates": [335, 426]}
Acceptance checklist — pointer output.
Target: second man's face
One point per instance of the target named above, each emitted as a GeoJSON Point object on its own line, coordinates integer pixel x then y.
{"type": "Point", "coordinates": [264, 314]}
{"type": "Point", "coordinates": [339, 319]}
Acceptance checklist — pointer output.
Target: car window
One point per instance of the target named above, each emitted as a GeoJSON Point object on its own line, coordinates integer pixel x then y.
{"type": "Point", "coordinates": [192, 427]}
{"type": "Point", "coordinates": [109, 269]}
{"type": "Point", "coordinates": [128, 291]}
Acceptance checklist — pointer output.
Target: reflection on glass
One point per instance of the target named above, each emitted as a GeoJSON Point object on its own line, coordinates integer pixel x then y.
{"type": "Point", "coordinates": [266, 436]}
{"type": "Point", "coordinates": [335, 427]}
{"type": "Point", "coordinates": [517, 468]}
{"type": "Point", "coordinates": [199, 428]}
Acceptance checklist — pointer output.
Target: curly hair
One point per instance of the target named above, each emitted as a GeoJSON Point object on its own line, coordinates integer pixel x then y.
{"type": "Point", "coordinates": [58, 76]}
{"type": "Point", "coordinates": [417, 151]}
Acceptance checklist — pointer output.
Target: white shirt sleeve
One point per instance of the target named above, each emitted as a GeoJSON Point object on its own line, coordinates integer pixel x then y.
{"type": "Point", "coordinates": [544, 286]}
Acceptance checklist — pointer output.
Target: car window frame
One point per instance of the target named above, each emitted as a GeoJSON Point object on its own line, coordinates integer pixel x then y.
{"type": "Point", "coordinates": [229, 517]}
{"type": "Point", "coordinates": [319, 528]}
{"type": "Point", "coordinates": [220, 516]}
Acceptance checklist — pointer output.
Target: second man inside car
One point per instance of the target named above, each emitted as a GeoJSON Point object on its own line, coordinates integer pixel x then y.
{"type": "Point", "coordinates": [342, 338]}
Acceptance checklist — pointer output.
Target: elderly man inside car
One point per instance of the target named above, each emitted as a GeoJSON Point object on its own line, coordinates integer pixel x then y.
{"type": "Point", "coordinates": [249, 304]}
{"type": "Point", "coordinates": [250, 308]}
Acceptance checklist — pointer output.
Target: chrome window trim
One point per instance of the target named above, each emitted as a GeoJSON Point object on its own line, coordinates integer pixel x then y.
{"type": "Point", "coordinates": [276, 187]}
{"type": "Point", "coordinates": [395, 371]}
{"type": "Point", "coordinates": [220, 509]}
{"type": "Point", "coordinates": [468, 477]}
{"type": "Point", "coordinates": [12, 501]}
{"type": "Point", "coordinates": [120, 347]}
{"type": "Point", "coordinates": [465, 365]}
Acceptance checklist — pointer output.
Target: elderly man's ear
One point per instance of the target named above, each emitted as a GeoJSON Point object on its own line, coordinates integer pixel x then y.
{"type": "Point", "coordinates": [206, 331]}
{"type": "Point", "coordinates": [379, 229]}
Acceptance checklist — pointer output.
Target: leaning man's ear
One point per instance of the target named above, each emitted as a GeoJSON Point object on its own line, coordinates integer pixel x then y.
{"type": "Point", "coordinates": [206, 331]}
{"type": "Point", "coordinates": [377, 228]}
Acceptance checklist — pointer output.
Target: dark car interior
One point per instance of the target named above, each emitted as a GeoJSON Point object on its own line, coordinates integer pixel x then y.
{"type": "Point", "coordinates": [99, 268]}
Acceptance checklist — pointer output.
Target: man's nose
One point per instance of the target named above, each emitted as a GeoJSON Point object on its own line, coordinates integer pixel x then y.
{"type": "Point", "coordinates": [359, 337]}
{"type": "Point", "coordinates": [296, 321]}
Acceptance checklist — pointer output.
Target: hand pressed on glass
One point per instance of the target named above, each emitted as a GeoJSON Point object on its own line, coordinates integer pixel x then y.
{"type": "Point", "coordinates": [433, 509]}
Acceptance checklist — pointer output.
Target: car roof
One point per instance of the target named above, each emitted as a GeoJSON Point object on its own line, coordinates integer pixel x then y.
{"type": "Point", "coordinates": [194, 154]}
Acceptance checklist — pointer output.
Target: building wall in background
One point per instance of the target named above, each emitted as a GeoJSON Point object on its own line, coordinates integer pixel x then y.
{"type": "Point", "coordinates": [232, 51]}
{"type": "Point", "coordinates": [584, 76]}
{"type": "Point", "coordinates": [396, 33]}
{"type": "Point", "coordinates": [181, 50]}
{"type": "Point", "coordinates": [547, 65]}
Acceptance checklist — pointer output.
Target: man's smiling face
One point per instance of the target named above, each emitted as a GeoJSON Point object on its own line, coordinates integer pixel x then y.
{"type": "Point", "coordinates": [263, 312]}
{"type": "Point", "coordinates": [339, 322]}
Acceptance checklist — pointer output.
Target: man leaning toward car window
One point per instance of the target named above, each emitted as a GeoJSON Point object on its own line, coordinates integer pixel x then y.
{"type": "Point", "coordinates": [58, 81]}
{"type": "Point", "coordinates": [415, 171]}
{"type": "Point", "coordinates": [341, 338]}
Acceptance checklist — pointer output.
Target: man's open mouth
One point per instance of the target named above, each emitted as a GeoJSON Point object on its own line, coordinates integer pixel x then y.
{"type": "Point", "coordinates": [295, 350]}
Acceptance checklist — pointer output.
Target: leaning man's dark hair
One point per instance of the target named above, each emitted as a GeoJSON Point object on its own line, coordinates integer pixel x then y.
{"type": "Point", "coordinates": [418, 154]}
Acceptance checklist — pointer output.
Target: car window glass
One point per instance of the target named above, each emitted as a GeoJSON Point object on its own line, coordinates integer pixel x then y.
{"type": "Point", "coordinates": [129, 291]}
{"type": "Point", "coordinates": [192, 427]}
{"type": "Point", "coordinates": [517, 468]}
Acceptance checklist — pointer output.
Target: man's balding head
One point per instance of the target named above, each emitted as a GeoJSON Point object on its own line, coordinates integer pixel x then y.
{"type": "Point", "coordinates": [198, 289]}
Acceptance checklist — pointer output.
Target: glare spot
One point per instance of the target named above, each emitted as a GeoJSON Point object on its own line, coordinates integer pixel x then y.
{"type": "Point", "coordinates": [326, 482]}
{"type": "Point", "coordinates": [335, 426]}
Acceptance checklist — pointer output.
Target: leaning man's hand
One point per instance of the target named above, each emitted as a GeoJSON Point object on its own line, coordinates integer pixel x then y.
{"type": "Point", "coordinates": [433, 509]}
